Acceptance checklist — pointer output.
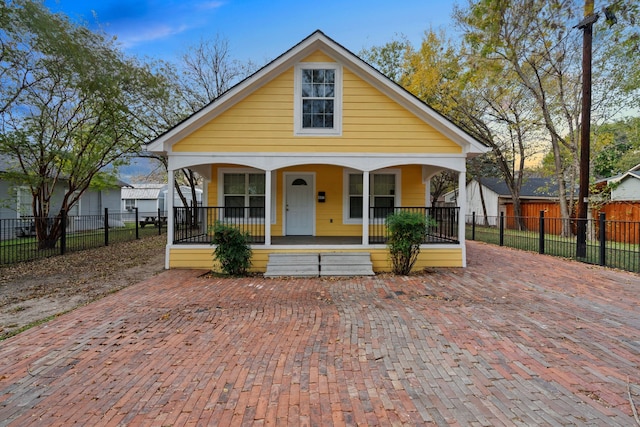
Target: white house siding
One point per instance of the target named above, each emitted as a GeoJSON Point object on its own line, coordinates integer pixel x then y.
{"type": "Point", "coordinates": [474, 203]}
{"type": "Point", "coordinates": [7, 202]}
{"type": "Point", "coordinates": [628, 190]}
{"type": "Point", "coordinates": [147, 206]}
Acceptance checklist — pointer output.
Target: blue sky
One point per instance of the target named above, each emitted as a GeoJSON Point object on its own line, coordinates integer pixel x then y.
{"type": "Point", "coordinates": [256, 30]}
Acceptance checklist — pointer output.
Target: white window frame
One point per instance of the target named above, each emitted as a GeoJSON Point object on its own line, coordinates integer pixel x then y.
{"type": "Point", "coordinates": [297, 100]}
{"type": "Point", "coordinates": [24, 202]}
{"type": "Point", "coordinates": [221, 174]}
{"type": "Point", "coordinates": [129, 204]}
{"type": "Point", "coordinates": [345, 191]}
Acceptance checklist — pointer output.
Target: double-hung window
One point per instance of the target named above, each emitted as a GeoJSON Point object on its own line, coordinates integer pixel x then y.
{"type": "Point", "coordinates": [244, 195]}
{"type": "Point", "coordinates": [318, 103]}
{"type": "Point", "coordinates": [383, 194]}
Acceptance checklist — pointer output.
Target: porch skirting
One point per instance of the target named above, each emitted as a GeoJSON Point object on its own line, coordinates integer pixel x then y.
{"type": "Point", "coordinates": [201, 256]}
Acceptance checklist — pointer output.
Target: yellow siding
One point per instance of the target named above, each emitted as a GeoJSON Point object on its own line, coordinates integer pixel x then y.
{"type": "Point", "coordinates": [329, 215]}
{"type": "Point", "coordinates": [200, 258]}
{"type": "Point", "coordinates": [263, 121]}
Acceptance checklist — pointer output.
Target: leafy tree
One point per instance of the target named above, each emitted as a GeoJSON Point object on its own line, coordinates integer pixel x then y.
{"type": "Point", "coordinates": [73, 107]}
{"type": "Point", "coordinates": [531, 41]}
{"type": "Point", "coordinates": [389, 58]}
{"type": "Point", "coordinates": [616, 147]}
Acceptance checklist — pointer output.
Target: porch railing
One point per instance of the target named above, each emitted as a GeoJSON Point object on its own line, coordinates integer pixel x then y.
{"type": "Point", "coordinates": [195, 224]}
{"type": "Point", "coordinates": [444, 231]}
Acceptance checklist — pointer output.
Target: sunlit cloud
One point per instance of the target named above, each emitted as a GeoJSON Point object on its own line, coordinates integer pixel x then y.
{"type": "Point", "coordinates": [150, 33]}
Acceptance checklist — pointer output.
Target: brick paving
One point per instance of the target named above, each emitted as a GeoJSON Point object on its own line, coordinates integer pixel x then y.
{"type": "Point", "coordinates": [514, 339]}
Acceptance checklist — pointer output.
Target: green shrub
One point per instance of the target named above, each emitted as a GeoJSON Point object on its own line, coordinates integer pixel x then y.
{"type": "Point", "coordinates": [232, 249]}
{"type": "Point", "coordinates": [407, 231]}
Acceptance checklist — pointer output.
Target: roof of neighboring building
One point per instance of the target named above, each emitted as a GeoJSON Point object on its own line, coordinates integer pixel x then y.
{"type": "Point", "coordinates": [142, 191]}
{"type": "Point", "coordinates": [633, 173]}
{"type": "Point", "coordinates": [531, 187]}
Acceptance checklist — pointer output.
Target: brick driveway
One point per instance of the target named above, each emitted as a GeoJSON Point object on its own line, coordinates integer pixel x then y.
{"type": "Point", "coordinates": [514, 339]}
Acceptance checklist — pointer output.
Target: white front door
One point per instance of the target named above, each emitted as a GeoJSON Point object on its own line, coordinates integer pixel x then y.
{"type": "Point", "coordinates": [299, 205]}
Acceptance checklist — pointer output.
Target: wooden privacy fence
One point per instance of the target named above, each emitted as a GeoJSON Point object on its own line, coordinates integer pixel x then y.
{"type": "Point", "coordinates": [622, 219]}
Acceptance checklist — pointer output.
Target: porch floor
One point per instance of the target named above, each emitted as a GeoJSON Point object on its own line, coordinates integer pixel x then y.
{"type": "Point", "coordinates": [316, 240]}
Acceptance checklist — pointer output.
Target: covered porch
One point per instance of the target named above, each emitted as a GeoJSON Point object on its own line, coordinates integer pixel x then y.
{"type": "Point", "coordinates": [324, 204]}
{"type": "Point", "coordinates": [194, 225]}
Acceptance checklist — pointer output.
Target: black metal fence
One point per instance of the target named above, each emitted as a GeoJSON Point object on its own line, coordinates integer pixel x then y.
{"type": "Point", "coordinates": [610, 243]}
{"type": "Point", "coordinates": [19, 239]}
{"type": "Point", "coordinates": [194, 225]}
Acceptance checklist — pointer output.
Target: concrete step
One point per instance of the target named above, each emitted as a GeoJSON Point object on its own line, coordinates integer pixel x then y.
{"type": "Point", "coordinates": [298, 265]}
{"type": "Point", "coordinates": [323, 264]}
{"type": "Point", "coordinates": [346, 264]}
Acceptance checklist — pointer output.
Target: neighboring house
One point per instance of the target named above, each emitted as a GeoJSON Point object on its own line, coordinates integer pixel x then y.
{"type": "Point", "coordinates": [148, 198]}
{"type": "Point", "coordinates": [540, 193]}
{"type": "Point", "coordinates": [626, 187]}
{"type": "Point", "coordinates": [145, 197]}
{"type": "Point", "coordinates": [310, 154]}
{"type": "Point", "coordinates": [15, 202]}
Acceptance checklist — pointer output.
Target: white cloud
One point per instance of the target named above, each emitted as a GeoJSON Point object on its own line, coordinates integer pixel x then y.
{"type": "Point", "coordinates": [149, 34]}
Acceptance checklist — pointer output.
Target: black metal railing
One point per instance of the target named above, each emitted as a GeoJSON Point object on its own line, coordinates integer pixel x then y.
{"type": "Point", "coordinates": [445, 229]}
{"type": "Point", "coordinates": [610, 243]}
{"type": "Point", "coordinates": [195, 224]}
{"type": "Point", "coordinates": [32, 238]}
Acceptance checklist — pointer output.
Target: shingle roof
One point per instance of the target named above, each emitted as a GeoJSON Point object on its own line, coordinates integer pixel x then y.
{"type": "Point", "coordinates": [531, 187]}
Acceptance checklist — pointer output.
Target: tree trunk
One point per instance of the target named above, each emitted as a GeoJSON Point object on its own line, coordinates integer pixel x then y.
{"type": "Point", "coordinates": [484, 206]}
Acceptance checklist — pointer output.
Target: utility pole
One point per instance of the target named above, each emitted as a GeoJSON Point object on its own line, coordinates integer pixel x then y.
{"type": "Point", "coordinates": [586, 25]}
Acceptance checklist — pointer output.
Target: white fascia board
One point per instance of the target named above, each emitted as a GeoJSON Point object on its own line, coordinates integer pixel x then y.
{"type": "Point", "coordinates": [359, 161]}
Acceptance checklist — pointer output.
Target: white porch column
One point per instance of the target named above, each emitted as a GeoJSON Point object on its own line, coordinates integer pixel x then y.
{"type": "Point", "coordinates": [365, 207]}
{"type": "Point", "coordinates": [170, 221]}
{"type": "Point", "coordinates": [462, 203]}
{"type": "Point", "coordinates": [267, 207]}
{"type": "Point", "coordinates": [427, 193]}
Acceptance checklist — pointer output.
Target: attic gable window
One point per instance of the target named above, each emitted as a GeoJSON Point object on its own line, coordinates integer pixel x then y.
{"type": "Point", "coordinates": [318, 102]}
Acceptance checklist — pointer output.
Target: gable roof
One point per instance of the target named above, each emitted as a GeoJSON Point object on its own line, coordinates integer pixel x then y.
{"type": "Point", "coordinates": [531, 187]}
{"type": "Point", "coordinates": [634, 172]}
{"type": "Point", "coordinates": [317, 41]}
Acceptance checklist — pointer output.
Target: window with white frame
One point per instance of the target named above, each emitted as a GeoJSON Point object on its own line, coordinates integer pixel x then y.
{"type": "Point", "coordinates": [244, 195]}
{"type": "Point", "coordinates": [383, 194]}
{"type": "Point", "coordinates": [318, 103]}
{"type": "Point", "coordinates": [129, 204]}
{"type": "Point", "coordinates": [25, 199]}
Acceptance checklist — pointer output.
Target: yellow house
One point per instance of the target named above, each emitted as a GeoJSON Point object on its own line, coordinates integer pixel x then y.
{"type": "Point", "coordinates": [309, 155]}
